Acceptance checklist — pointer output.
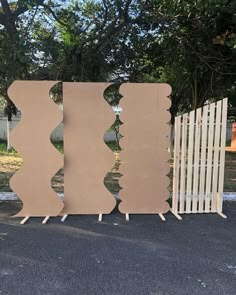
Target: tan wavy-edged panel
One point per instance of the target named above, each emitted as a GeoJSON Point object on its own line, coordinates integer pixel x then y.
{"type": "Point", "coordinates": [88, 159]}
{"type": "Point", "coordinates": [31, 138]}
{"type": "Point", "coordinates": [145, 143]}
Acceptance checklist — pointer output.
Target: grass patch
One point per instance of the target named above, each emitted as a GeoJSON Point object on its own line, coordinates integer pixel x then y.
{"type": "Point", "coordinates": [11, 161]}
{"type": "Point", "coordinates": [4, 152]}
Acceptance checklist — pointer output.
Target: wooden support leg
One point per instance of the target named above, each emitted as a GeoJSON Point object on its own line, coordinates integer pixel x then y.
{"type": "Point", "coordinates": [64, 217]}
{"type": "Point", "coordinates": [176, 215]}
{"type": "Point", "coordinates": [127, 216]}
{"type": "Point", "coordinates": [222, 215]}
{"type": "Point", "coordinates": [162, 217]}
{"type": "Point", "coordinates": [45, 220]}
{"type": "Point", "coordinates": [23, 221]}
{"type": "Point", "coordinates": [100, 217]}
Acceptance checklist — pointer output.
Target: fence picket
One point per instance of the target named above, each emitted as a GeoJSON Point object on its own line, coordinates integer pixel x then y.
{"type": "Point", "coordinates": [176, 165]}
{"type": "Point", "coordinates": [222, 155]}
{"type": "Point", "coordinates": [190, 161]}
{"type": "Point", "coordinates": [209, 157]}
{"type": "Point", "coordinates": [183, 164]}
{"type": "Point", "coordinates": [216, 157]}
{"type": "Point", "coordinates": [203, 159]}
{"type": "Point", "coordinates": [196, 159]}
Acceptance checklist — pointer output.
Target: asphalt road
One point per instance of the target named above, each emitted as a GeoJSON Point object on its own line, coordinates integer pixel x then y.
{"type": "Point", "coordinates": [142, 257]}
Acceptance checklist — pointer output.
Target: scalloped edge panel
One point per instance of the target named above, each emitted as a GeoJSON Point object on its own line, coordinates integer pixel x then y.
{"type": "Point", "coordinates": [145, 142]}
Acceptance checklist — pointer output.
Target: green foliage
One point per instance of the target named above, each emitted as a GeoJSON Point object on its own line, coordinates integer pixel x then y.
{"type": "Point", "coordinates": [189, 44]}
{"type": "Point", "coordinates": [59, 146]}
{"type": "Point", "coordinates": [194, 50]}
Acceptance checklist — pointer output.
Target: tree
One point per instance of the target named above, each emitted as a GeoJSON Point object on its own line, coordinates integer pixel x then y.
{"type": "Point", "coordinates": [189, 44]}
{"type": "Point", "coordinates": [194, 50]}
{"type": "Point", "coordinates": [90, 44]}
{"type": "Point", "coordinates": [17, 49]}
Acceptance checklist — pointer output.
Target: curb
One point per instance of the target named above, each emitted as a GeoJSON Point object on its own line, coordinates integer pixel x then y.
{"type": "Point", "coordinates": [10, 196]}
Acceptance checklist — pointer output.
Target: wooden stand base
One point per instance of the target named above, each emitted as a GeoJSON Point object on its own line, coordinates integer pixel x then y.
{"type": "Point", "coordinates": [162, 217]}
{"type": "Point", "coordinates": [176, 215]}
{"type": "Point", "coordinates": [222, 215]}
{"type": "Point", "coordinates": [23, 221]}
{"type": "Point", "coordinates": [100, 217]}
{"type": "Point", "coordinates": [64, 217]}
{"type": "Point", "coordinates": [45, 220]}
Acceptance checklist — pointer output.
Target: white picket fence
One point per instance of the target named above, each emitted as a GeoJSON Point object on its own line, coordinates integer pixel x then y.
{"type": "Point", "coordinates": [199, 157]}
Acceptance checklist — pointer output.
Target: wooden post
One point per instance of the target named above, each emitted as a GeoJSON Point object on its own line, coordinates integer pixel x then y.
{"type": "Point", "coordinates": [215, 176]}
{"type": "Point", "coordinates": [196, 160]}
{"type": "Point", "coordinates": [222, 155]}
{"type": "Point", "coordinates": [211, 131]}
{"type": "Point", "coordinates": [190, 162]}
{"type": "Point", "coordinates": [203, 160]}
{"type": "Point", "coordinates": [175, 196]}
{"type": "Point", "coordinates": [183, 170]}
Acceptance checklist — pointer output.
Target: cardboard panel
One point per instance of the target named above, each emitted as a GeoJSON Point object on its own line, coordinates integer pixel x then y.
{"type": "Point", "coordinates": [31, 138]}
{"type": "Point", "coordinates": [145, 144]}
{"type": "Point", "coordinates": [88, 159]}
